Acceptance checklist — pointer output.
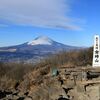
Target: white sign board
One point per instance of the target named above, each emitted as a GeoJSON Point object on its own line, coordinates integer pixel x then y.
{"type": "Point", "coordinates": [96, 52]}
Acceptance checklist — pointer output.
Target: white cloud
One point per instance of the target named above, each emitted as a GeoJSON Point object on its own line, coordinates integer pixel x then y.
{"type": "Point", "coordinates": [41, 13]}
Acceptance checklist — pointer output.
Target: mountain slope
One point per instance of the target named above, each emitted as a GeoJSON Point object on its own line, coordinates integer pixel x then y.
{"type": "Point", "coordinates": [32, 51]}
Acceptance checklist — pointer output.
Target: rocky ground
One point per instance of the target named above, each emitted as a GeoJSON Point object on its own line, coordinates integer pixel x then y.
{"type": "Point", "coordinates": [42, 85]}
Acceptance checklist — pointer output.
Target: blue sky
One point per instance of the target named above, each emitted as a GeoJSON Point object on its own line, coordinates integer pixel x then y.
{"type": "Point", "coordinates": [72, 22]}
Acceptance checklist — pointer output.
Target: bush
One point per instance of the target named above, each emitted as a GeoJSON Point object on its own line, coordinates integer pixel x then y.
{"type": "Point", "coordinates": [82, 57]}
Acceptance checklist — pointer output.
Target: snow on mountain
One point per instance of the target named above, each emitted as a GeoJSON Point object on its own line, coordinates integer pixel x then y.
{"type": "Point", "coordinates": [33, 51]}
{"type": "Point", "coordinates": [42, 40]}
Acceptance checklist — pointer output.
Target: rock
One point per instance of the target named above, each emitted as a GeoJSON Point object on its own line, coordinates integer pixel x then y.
{"type": "Point", "coordinates": [28, 98]}
{"type": "Point", "coordinates": [15, 97]}
{"type": "Point", "coordinates": [21, 98]}
{"type": "Point", "coordinates": [80, 88]}
{"type": "Point", "coordinates": [21, 94]}
{"type": "Point", "coordinates": [2, 95]}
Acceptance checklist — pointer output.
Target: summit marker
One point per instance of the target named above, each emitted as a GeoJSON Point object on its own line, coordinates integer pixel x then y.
{"type": "Point", "coordinates": [96, 51]}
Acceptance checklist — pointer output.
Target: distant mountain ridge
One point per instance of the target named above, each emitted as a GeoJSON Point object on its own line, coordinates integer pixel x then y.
{"type": "Point", "coordinates": [32, 51]}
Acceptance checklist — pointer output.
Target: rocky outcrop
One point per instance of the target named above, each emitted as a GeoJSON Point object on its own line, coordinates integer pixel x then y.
{"type": "Point", "coordinates": [66, 85]}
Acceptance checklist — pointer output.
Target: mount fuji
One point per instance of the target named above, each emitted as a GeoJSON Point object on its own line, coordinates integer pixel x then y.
{"type": "Point", "coordinates": [42, 40]}
{"type": "Point", "coordinates": [33, 51]}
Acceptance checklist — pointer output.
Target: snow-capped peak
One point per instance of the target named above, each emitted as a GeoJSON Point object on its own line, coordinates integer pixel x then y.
{"type": "Point", "coordinates": [42, 40]}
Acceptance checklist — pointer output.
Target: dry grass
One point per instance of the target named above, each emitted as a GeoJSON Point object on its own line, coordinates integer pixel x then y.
{"type": "Point", "coordinates": [73, 58]}
{"type": "Point", "coordinates": [10, 73]}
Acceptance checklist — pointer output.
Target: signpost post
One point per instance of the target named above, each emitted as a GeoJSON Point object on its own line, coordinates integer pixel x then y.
{"type": "Point", "coordinates": [96, 52]}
